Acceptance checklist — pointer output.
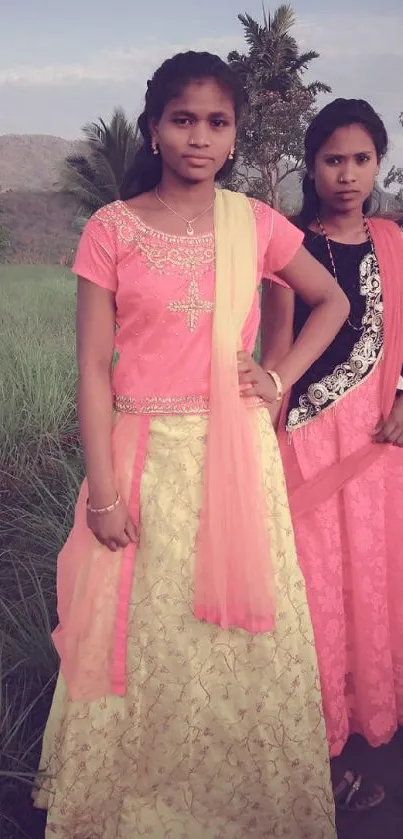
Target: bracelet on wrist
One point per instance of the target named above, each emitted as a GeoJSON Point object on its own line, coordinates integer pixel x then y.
{"type": "Point", "coordinates": [278, 384]}
{"type": "Point", "coordinates": [101, 511]}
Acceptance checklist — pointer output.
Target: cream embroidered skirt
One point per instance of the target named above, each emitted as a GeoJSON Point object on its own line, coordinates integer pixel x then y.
{"type": "Point", "coordinates": [221, 733]}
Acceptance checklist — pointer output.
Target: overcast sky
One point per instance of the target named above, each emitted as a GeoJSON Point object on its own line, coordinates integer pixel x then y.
{"type": "Point", "coordinates": [63, 64]}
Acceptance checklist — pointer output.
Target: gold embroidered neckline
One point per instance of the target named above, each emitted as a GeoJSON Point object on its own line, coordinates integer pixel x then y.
{"type": "Point", "coordinates": [168, 237]}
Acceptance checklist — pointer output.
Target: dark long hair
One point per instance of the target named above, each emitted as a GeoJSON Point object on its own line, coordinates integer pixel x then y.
{"type": "Point", "coordinates": [166, 84]}
{"type": "Point", "coordinates": [336, 115]}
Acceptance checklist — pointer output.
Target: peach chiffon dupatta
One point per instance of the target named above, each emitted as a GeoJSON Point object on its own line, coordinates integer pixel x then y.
{"type": "Point", "coordinates": [234, 584]}
{"type": "Point", "coordinates": [94, 584]}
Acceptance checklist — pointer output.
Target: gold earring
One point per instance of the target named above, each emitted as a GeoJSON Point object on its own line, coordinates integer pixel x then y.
{"type": "Point", "coordinates": [231, 154]}
{"type": "Point", "coordinates": [154, 147]}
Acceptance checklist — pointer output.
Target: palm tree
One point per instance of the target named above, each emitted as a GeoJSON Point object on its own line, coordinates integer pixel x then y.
{"type": "Point", "coordinates": [95, 173]}
{"type": "Point", "coordinates": [273, 59]}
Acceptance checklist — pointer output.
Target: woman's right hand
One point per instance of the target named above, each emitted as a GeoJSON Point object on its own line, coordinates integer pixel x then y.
{"type": "Point", "coordinates": [114, 530]}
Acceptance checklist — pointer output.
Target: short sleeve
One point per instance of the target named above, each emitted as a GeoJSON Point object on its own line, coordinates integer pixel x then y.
{"type": "Point", "coordinates": [96, 255]}
{"type": "Point", "coordinates": [285, 241]}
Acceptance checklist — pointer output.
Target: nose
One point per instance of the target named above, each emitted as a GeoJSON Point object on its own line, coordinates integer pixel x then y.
{"type": "Point", "coordinates": [199, 136]}
{"type": "Point", "coordinates": [347, 174]}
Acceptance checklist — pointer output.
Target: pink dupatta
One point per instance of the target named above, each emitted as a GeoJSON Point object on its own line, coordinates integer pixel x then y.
{"type": "Point", "coordinates": [388, 243]}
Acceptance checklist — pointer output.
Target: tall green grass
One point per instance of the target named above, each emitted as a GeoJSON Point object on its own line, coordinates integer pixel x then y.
{"type": "Point", "coordinates": [39, 477]}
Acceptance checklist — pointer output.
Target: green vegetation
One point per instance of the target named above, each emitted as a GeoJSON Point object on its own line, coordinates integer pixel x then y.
{"type": "Point", "coordinates": [395, 178]}
{"type": "Point", "coordinates": [5, 239]}
{"type": "Point", "coordinates": [270, 141]}
{"type": "Point", "coordinates": [40, 475]}
{"type": "Point", "coordinates": [40, 228]}
{"type": "Point", "coordinates": [94, 175]}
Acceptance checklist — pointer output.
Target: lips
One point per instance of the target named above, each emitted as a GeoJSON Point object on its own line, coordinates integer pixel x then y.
{"type": "Point", "coordinates": [194, 158]}
{"type": "Point", "coordinates": [347, 193]}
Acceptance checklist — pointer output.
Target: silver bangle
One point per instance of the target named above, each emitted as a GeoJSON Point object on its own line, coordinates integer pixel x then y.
{"type": "Point", "coordinates": [102, 511]}
{"type": "Point", "coordinates": [278, 383]}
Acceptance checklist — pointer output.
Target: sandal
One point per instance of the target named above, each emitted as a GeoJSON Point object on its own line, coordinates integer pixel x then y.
{"type": "Point", "coordinates": [355, 794]}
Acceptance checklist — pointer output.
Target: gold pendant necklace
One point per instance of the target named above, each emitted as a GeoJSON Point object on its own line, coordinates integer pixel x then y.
{"type": "Point", "coordinates": [188, 221]}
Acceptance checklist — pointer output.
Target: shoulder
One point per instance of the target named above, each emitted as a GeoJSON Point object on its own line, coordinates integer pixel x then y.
{"type": "Point", "coordinates": [272, 220]}
{"type": "Point", "coordinates": [265, 220]}
{"type": "Point", "coordinates": [108, 227]}
{"type": "Point", "coordinates": [384, 223]}
{"type": "Point", "coordinates": [273, 226]}
{"type": "Point", "coordinates": [261, 210]}
{"type": "Point", "coordinates": [387, 227]}
{"type": "Point", "coordinates": [278, 239]}
{"type": "Point", "coordinates": [107, 217]}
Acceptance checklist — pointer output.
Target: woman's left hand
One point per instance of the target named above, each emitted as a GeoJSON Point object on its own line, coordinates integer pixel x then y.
{"type": "Point", "coordinates": [253, 381]}
{"type": "Point", "coordinates": [391, 431]}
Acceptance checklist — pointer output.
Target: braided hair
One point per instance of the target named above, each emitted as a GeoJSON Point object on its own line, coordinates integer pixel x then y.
{"type": "Point", "coordinates": [166, 84]}
{"type": "Point", "coordinates": [337, 114]}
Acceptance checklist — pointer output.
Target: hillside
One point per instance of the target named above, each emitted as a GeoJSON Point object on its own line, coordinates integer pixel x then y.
{"type": "Point", "coordinates": [40, 219]}
{"type": "Point", "coordinates": [31, 161]}
{"type": "Point", "coordinates": [40, 225]}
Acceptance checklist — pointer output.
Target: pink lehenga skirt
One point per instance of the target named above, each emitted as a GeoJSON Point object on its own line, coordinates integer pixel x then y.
{"type": "Point", "coordinates": [351, 552]}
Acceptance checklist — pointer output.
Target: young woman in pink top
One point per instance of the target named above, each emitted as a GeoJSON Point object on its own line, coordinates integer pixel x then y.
{"type": "Point", "coordinates": [188, 702]}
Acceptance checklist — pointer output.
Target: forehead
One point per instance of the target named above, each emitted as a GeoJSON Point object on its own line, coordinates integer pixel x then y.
{"type": "Point", "coordinates": [202, 97]}
{"type": "Point", "coordinates": [348, 139]}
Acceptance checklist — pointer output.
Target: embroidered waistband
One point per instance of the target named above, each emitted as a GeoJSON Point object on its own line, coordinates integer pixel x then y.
{"type": "Point", "coordinates": [156, 405]}
{"type": "Point", "coordinates": [162, 404]}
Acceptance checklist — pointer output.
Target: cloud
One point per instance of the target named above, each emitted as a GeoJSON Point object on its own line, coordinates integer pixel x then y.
{"type": "Point", "coordinates": [360, 55]}
{"type": "Point", "coordinates": [339, 39]}
{"type": "Point", "coordinates": [340, 36]}
{"type": "Point", "coordinates": [115, 66]}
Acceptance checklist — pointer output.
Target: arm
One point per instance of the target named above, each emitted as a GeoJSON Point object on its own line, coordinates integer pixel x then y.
{"type": "Point", "coordinates": [391, 429]}
{"type": "Point", "coordinates": [330, 308]}
{"type": "Point", "coordinates": [95, 344]}
{"type": "Point", "coordinates": [277, 316]}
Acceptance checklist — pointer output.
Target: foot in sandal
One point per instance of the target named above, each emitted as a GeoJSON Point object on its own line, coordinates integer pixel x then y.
{"type": "Point", "coordinates": [354, 793]}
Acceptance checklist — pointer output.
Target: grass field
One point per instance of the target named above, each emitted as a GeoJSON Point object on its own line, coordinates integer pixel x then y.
{"type": "Point", "coordinates": [39, 476]}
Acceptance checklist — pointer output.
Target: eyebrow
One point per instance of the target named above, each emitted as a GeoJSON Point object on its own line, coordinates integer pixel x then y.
{"type": "Point", "coordinates": [340, 154]}
{"type": "Point", "coordinates": [183, 112]}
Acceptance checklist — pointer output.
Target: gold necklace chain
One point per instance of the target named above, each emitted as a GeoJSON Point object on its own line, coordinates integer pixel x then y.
{"type": "Point", "coordinates": [332, 262]}
{"type": "Point", "coordinates": [188, 221]}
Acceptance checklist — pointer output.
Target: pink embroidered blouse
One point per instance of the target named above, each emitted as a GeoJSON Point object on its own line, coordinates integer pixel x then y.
{"type": "Point", "coordinates": [164, 287]}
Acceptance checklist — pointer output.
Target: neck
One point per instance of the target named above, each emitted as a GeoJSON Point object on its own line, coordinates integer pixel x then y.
{"type": "Point", "coordinates": [193, 197]}
{"type": "Point", "coordinates": [341, 223]}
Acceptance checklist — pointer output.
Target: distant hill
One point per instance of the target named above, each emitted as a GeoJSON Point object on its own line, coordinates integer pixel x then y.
{"type": "Point", "coordinates": [41, 219]}
{"type": "Point", "coordinates": [31, 161]}
{"type": "Point", "coordinates": [41, 225]}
